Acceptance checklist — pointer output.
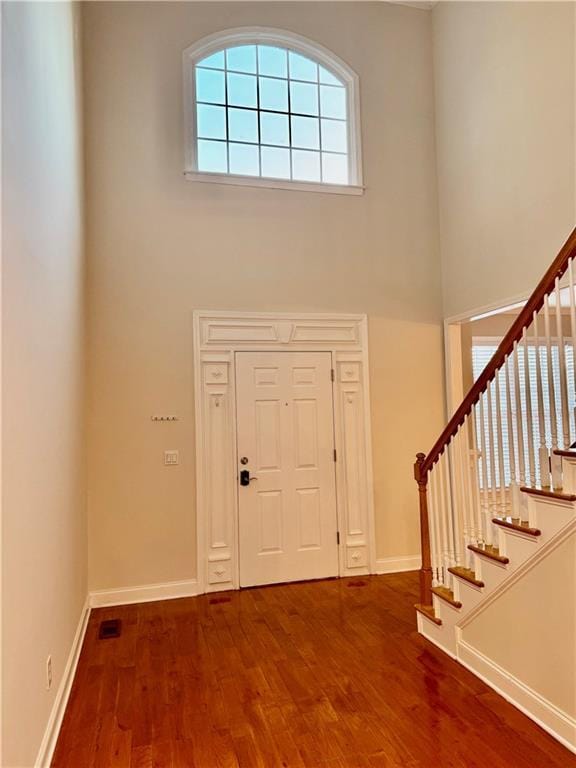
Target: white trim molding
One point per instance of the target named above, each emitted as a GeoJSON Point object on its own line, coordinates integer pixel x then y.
{"type": "Point", "coordinates": [146, 593]}
{"type": "Point", "coordinates": [292, 42]}
{"type": "Point", "coordinates": [494, 308]}
{"type": "Point", "coordinates": [262, 181]}
{"type": "Point", "coordinates": [398, 564]}
{"type": "Point", "coordinates": [217, 337]}
{"type": "Point", "coordinates": [48, 745]}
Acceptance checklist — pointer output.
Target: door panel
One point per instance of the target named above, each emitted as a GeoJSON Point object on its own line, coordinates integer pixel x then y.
{"type": "Point", "coordinates": [270, 518]}
{"type": "Point", "coordinates": [268, 435]}
{"type": "Point", "coordinates": [287, 527]}
{"type": "Point", "coordinates": [305, 434]}
{"type": "Point", "coordinates": [309, 522]}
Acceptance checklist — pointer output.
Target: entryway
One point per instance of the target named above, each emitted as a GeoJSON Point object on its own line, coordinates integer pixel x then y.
{"type": "Point", "coordinates": [290, 394]}
{"type": "Point", "coordinates": [287, 485]}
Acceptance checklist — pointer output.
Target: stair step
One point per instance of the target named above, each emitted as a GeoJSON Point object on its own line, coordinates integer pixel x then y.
{"type": "Point", "coordinates": [549, 494]}
{"type": "Point", "coordinates": [467, 575]}
{"type": "Point", "coordinates": [428, 611]}
{"type": "Point", "coordinates": [567, 454]}
{"type": "Point", "coordinates": [513, 524]}
{"type": "Point", "coordinates": [446, 594]}
{"type": "Point", "coordinates": [490, 552]}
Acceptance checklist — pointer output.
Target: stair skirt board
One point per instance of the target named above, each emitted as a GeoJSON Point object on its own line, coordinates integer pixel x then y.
{"type": "Point", "coordinates": [553, 720]}
{"type": "Point", "coordinates": [441, 639]}
{"type": "Point", "coordinates": [545, 714]}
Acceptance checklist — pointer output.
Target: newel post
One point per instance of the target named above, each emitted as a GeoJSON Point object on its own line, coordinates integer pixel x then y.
{"type": "Point", "coordinates": [421, 477]}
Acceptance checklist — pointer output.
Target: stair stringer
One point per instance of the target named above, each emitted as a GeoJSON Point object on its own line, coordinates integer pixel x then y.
{"type": "Point", "coordinates": [550, 515]}
{"type": "Point", "coordinates": [475, 601]}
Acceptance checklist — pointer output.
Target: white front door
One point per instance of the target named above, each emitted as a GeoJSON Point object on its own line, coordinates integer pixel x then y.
{"type": "Point", "coordinates": [287, 509]}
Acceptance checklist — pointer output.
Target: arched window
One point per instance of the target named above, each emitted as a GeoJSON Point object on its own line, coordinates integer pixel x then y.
{"type": "Point", "coordinates": [270, 108]}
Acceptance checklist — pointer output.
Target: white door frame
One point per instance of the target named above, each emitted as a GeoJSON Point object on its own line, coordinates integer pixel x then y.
{"type": "Point", "coordinates": [453, 350]}
{"type": "Point", "coordinates": [217, 337]}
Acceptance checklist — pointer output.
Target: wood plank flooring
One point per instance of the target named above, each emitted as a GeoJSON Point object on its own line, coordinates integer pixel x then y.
{"type": "Point", "coordinates": [328, 674]}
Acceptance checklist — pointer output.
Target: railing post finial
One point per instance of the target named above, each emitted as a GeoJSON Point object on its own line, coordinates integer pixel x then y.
{"type": "Point", "coordinates": [418, 467]}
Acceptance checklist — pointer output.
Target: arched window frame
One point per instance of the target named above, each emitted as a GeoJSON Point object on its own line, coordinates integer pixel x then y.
{"type": "Point", "coordinates": [268, 36]}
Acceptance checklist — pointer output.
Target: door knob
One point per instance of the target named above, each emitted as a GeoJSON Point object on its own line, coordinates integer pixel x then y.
{"type": "Point", "coordinates": [245, 478]}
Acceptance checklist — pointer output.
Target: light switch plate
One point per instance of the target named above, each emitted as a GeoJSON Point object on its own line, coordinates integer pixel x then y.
{"type": "Point", "coordinates": [171, 458]}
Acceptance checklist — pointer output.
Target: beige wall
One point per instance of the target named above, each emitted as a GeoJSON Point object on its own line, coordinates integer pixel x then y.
{"type": "Point", "coordinates": [160, 246]}
{"type": "Point", "coordinates": [536, 629]}
{"type": "Point", "coordinates": [43, 524]}
{"type": "Point", "coordinates": [505, 112]}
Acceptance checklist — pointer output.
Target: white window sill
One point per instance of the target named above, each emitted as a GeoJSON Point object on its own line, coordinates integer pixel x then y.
{"type": "Point", "coordinates": [258, 181]}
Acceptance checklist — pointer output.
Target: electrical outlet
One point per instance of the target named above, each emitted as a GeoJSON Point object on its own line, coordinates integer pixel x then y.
{"type": "Point", "coordinates": [171, 458]}
{"type": "Point", "coordinates": [49, 673]}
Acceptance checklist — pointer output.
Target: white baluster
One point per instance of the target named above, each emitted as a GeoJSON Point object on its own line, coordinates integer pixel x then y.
{"type": "Point", "coordinates": [469, 480]}
{"type": "Point", "coordinates": [441, 576]}
{"type": "Point", "coordinates": [443, 524]}
{"type": "Point", "coordinates": [500, 443]}
{"type": "Point", "coordinates": [456, 501]}
{"type": "Point", "coordinates": [573, 334]}
{"type": "Point", "coordinates": [466, 495]}
{"type": "Point", "coordinates": [449, 559]}
{"type": "Point", "coordinates": [486, 470]}
{"type": "Point", "coordinates": [565, 442]}
{"type": "Point", "coordinates": [555, 462]}
{"type": "Point", "coordinates": [440, 524]}
{"type": "Point", "coordinates": [514, 484]}
{"type": "Point", "coordinates": [492, 452]}
{"type": "Point", "coordinates": [433, 515]}
{"type": "Point", "coordinates": [522, 478]}
{"type": "Point", "coordinates": [458, 497]}
{"type": "Point", "coordinates": [531, 472]}
{"type": "Point", "coordinates": [450, 508]}
{"type": "Point", "coordinates": [477, 459]}
{"type": "Point", "coordinates": [543, 454]}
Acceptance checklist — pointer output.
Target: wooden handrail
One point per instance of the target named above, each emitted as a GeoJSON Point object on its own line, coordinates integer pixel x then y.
{"type": "Point", "coordinates": [534, 304]}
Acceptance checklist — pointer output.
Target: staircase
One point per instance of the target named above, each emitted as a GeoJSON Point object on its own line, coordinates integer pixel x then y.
{"type": "Point", "coordinates": [498, 506]}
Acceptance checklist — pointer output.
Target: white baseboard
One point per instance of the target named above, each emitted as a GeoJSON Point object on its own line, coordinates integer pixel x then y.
{"type": "Point", "coordinates": [549, 717]}
{"type": "Point", "coordinates": [169, 590]}
{"type": "Point", "coordinates": [48, 744]}
{"type": "Point", "coordinates": [398, 564]}
{"type": "Point", "coordinates": [144, 594]}
{"type": "Point", "coordinates": [97, 599]}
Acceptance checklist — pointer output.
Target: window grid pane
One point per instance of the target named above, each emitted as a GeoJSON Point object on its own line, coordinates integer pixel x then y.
{"type": "Point", "coordinates": [263, 110]}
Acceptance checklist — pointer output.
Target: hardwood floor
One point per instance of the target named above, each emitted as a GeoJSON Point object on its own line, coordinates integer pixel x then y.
{"type": "Point", "coordinates": [328, 674]}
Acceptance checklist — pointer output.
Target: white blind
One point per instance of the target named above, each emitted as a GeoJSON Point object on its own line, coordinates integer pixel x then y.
{"type": "Point", "coordinates": [482, 352]}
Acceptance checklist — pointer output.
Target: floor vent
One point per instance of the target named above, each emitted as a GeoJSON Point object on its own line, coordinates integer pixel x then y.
{"type": "Point", "coordinates": [218, 600]}
{"type": "Point", "coordinates": [109, 628]}
{"type": "Point", "coordinates": [356, 584]}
